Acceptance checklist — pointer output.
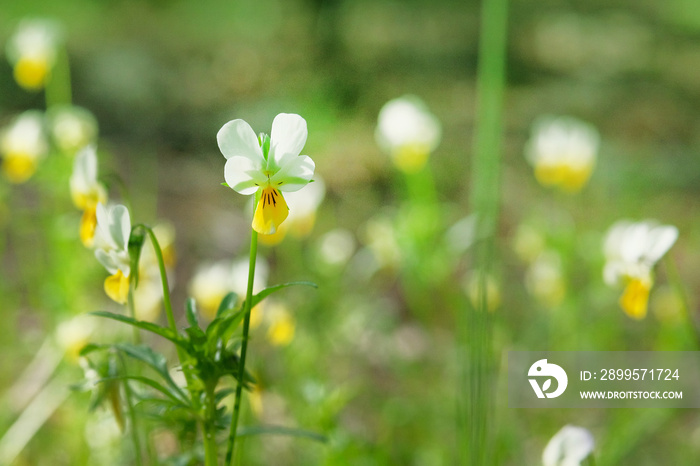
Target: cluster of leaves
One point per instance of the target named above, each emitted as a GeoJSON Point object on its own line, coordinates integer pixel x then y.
{"type": "Point", "coordinates": [206, 356]}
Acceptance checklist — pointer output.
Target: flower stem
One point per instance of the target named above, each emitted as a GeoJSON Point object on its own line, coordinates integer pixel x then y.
{"type": "Point", "coordinates": [675, 279]}
{"type": "Point", "coordinates": [244, 348]}
{"type": "Point", "coordinates": [211, 457]}
{"type": "Point", "coordinates": [132, 417]}
{"type": "Point", "coordinates": [58, 87]}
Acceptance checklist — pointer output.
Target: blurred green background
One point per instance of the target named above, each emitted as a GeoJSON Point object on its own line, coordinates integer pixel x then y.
{"type": "Point", "coordinates": [372, 364]}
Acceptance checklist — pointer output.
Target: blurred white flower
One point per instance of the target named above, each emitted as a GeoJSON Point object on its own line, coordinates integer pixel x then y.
{"type": "Point", "coordinates": [87, 192]}
{"type": "Point", "coordinates": [213, 281]}
{"type": "Point", "coordinates": [569, 447]}
{"type": "Point", "coordinates": [72, 335]}
{"type": "Point", "coordinates": [32, 52]}
{"type": "Point", "coordinates": [631, 251]}
{"type": "Point", "coordinates": [266, 165]}
{"type": "Point", "coordinates": [111, 244]}
{"type": "Point", "coordinates": [72, 128]}
{"type": "Point", "coordinates": [544, 279]}
{"type": "Point", "coordinates": [563, 152]}
{"type": "Point", "coordinates": [23, 144]}
{"type": "Point", "coordinates": [408, 132]}
{"type": "Point", "coordinates": [336, 247]}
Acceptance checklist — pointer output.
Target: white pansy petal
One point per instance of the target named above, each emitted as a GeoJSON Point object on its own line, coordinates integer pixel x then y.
{"type": "Point", "coordinates": [120, 225]}
{"type": "Point", "coordinates": [106, 260]}
{"type": "Point", "coordinates": [243, 175]}
{"type": "Point", "coordinates": [660, 241]}
{"type": "Point", "coordinates": [237, 138]}
{"type": "Point", "coordinates": [295, 174]}
{"type": "Point", "coordinates": [570, 446]}
{"type": "Point", "coordinates": [288, 135]}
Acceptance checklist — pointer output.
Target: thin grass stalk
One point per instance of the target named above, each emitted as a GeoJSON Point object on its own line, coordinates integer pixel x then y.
{"type": "Point", "coordinates": [476, 351]}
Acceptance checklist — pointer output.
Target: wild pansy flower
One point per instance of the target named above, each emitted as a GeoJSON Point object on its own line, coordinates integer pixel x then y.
{"type": "Point", "coordinates": [32, 52]}
{"type": "Point", "coordinates": [563, 151]}
{"type": "Point", "coordinates": [71, 128]}
{"type": "Point", "coordinates": [631, 251]}
{"type": "Point", "coordinates": [111, 244]}
{"type": "Point", "coordinates": [302, 213]}
{"type": "Point", "coordinates": [23, 144]}
{"type": "Point", "coordinates": [569, 447]}
{"type": "Point", "coordinates": [87, 192]}
{"type": "Point", "coordinates": [266, 165]}
{"type": "Point", "coordinates": [72, 335]}
{"type": "Point", "coordinates": [408, 132]}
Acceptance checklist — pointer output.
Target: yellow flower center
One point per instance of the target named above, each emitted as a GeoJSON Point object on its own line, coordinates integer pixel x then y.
{"type": "Point", "coordinates": [271, 211]}
{"type": "Point", "coordinates": [18, 167]}
{"type": "Point", "coordinates": [635, 298]}
{"type": "Point", "coordinates": [117, 287]}
{"type": "Point", "coordinates": [88, 223]}
{"type": "Point", "coordinates": [569, 178]}
{"type": "Point", "coordinates": [410, 158]}
{"type": "Point", "coordinates": [31, 73]}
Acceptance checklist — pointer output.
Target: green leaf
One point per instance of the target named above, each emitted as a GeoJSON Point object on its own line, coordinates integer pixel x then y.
{"type": "Point", "coordinates": [92, 347]}
{"type": "Point", "coordinates": [164, 332]}
{"type": "Point", "coordinates": [280, 430]}
{"type": "Point", "coordinates": [228, 303]}
{"type": "Point", "coordinates": [191, 312]}
{"type": "Point", "coordinates": [153, 359]}
{"type": "Point", "coordinates": [197, 336]}
{"type": "Point", "coordinates": [271, 289]}
{"type": "Point", "coordinates": [153, 384]}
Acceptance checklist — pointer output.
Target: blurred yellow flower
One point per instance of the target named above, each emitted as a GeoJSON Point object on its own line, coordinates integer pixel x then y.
{"type": "Point", "coordinates": [569, 447]}
{"type": "Point", "coordinates": [408, 132]}
{"type": "Point", "coordinates": [32, 52]}
{"type": "Point", "coordinates": [71, 128]}
{"type": "Point", "coordinates": [563, 152]}
{"type": "Point", "coordinates": [631, 251]}
{"type": "Point", "coordinates": [111, 242]}
{"type": "Point", "coordinates": [268, 165]}
{"type": "Point", "coordinates": [87, 192]}
{"type": "Point", "coordinates": [23, 144]}
{"type": "Point", "coordinates": [281, 324]}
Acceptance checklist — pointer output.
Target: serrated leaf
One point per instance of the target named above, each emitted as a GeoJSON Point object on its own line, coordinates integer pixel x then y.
{"type": "Point", "coordinates": [173, 395]}
{"type": "Point", "coordinates": [197, 336]}
{"type": "Point", "coordinates": [153, 359]}
{"type": "Point", "coordinates": [164, 332]}
{"type": "Point", "coordinates": [191, 312]}
{"type": "Point", "coordinates": [280, 430]}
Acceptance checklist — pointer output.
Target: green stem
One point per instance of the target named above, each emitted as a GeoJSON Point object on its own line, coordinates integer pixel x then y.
{"type": "Point", "coordinates": [209, 428]}
{"type": "Point", "coordinates": [58, 87]}
{"type": "Point", "coordinates": [244, 348]}
{"type": "Point", "coordinates": [677, 284]}
{"type": "Point", "coordinates": [132, 417]}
